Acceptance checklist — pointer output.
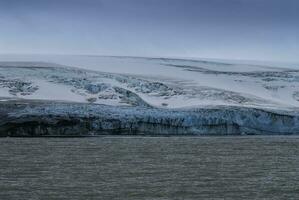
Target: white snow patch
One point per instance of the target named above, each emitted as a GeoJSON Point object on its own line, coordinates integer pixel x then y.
{"type": "Point", "coordinates": [279, 91]}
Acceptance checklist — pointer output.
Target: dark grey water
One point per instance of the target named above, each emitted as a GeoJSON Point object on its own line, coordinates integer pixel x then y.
{"type": "Point", "coordinates": [150, 168]}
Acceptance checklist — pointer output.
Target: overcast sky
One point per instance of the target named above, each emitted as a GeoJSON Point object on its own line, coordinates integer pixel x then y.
{"type": "Point", "coordinates": [231, 29]}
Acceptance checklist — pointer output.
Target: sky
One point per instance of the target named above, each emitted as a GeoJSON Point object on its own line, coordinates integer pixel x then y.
{"type": "Point", "coordinates": [225, 29]}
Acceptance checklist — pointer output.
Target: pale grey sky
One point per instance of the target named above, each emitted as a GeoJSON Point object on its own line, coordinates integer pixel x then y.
{"type": "Point", "coordinates": [229, 29]}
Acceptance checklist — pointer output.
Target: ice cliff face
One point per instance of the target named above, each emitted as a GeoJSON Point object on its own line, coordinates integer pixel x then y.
{"type": "Point", "coordinates": [177, 97]}
{"type": "Point", "coordinates": [34, 118]}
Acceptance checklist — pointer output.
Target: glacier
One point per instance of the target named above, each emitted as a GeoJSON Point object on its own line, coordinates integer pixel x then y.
{"type": "Point", "coordinates": [95, 95]}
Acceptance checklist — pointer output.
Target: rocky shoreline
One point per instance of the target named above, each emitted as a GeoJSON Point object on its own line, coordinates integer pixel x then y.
{"type": "Point", "coordinates": [53, 118]}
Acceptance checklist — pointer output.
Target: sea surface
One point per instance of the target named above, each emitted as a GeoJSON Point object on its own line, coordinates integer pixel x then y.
{"type": "Point", "coordinates": [139, 168]}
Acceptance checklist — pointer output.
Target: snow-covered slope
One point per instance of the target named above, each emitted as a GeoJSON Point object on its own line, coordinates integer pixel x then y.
{"type": "Point", "coordinates": [150, 82]}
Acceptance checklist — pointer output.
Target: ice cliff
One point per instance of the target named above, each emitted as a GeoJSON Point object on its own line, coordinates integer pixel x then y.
{"type": "Point", "coordinates": [35, 118]}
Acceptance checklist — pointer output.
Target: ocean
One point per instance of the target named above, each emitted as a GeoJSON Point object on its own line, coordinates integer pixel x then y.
{"type": "Point", "coordinates": [234, 167]}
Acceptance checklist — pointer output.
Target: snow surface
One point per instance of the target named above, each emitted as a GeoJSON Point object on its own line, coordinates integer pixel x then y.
{"type": "Point", "coordinates": [159, 82]}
